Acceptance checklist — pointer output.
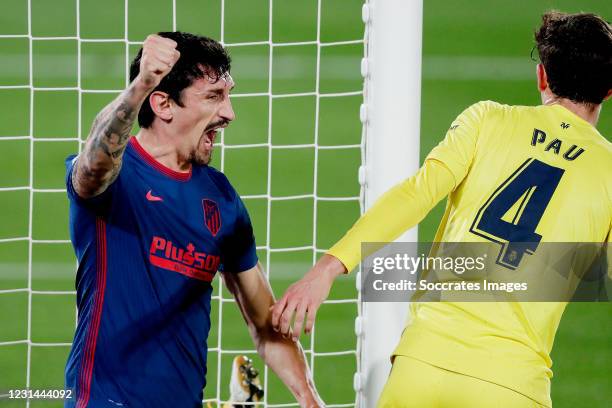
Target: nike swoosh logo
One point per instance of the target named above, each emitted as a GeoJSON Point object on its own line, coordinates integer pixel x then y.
{"type": "Point", "coordinates": [151, 197]}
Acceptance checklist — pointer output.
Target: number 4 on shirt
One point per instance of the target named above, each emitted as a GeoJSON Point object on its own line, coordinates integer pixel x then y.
{"type": "Point", "coordinates": [527, 193]}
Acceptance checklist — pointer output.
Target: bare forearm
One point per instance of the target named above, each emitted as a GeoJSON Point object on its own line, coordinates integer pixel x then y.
{"type": "Point", "coordinates": [286, 358]}
{"type": "Point", "coordinates": [99, 163]}
{"type": "Point", "coordinates": [329, 267]}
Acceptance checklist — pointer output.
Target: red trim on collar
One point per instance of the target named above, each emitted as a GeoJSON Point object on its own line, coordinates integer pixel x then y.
{"type": "Point", "coordinates": [177, 175]}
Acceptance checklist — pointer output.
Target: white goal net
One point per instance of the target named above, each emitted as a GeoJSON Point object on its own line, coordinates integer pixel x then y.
{"type": "Point", "coordinates": [293, 154]}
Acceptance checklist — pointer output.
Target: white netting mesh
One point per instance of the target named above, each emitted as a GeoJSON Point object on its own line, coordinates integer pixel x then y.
{"type": "Point", "coordinates": [212, 395]}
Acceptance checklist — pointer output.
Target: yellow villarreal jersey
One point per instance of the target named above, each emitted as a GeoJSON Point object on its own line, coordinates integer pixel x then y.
{"type": "Point", "coordinates": [491, 146]}
{"type": "Point", "coordinates": [487, 149]}
{"type": "Point", "coordinates": [490, 158]}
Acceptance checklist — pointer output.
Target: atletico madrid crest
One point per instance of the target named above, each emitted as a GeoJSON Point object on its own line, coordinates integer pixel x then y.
{"type": "Point", "coordinates": [212, 216]}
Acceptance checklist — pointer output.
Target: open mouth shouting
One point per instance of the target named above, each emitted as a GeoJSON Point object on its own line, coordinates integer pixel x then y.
{"type": "Point", "coordinates": [210, 133]}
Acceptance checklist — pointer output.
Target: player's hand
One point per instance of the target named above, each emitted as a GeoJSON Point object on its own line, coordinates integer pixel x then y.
{"type": "Point", "coordinates": [304, 298]}
{"type": "Point", "coordinates": [159, 54]}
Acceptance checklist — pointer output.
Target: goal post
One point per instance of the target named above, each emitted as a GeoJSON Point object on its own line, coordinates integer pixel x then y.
{"type": "Point", "coordinates": [391, 117]}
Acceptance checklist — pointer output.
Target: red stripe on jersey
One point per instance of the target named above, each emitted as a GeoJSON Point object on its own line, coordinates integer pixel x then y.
{"type": "Point", "coordinates": [87, 363]}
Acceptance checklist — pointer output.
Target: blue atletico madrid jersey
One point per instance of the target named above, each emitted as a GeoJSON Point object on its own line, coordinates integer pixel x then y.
{"type": "Point", "coordinates": [148, 249]}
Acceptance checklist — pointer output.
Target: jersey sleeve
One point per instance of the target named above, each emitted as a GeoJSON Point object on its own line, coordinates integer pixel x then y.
{"type": "Point", "coordinates": [456, 151]}
{"type": "Point", "coordinates": [399, 209]}
{"type": "Point", "coordinates": [98, 204]}
{"type": "Point", "coordinates": [406, 204]}
{"type": "Point", "coordinates": [240, 252]}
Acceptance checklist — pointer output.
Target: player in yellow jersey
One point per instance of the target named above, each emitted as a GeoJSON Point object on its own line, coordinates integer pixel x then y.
{"type": "Point", "coordinates": [552, 160]}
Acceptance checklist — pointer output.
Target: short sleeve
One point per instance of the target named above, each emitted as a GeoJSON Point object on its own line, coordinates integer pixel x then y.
{"type": "Point", "coordinates": [240, 251]}
{"type": "Point", "coordinates": [458, 148]}
{"type": "Point", "coordinates": [98, 204]}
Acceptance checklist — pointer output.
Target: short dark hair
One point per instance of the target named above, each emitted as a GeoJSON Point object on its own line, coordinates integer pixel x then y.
{"type": "Point", "coordinates": [576, 51]}
{"type": "Point", "coordinates": [200, 56]}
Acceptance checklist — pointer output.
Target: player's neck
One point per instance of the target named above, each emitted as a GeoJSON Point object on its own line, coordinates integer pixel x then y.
{"type": "Point", "coordinates": [163, 148]}
{"type": "Point", "coordinates": [588, 112]}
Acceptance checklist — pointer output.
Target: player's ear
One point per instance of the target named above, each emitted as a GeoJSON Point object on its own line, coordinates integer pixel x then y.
{"type": "Point", "coordinates": [160, 104]}
{"type": "Point", "coordinates": [608, 95]}
{"type": "Point", "coordinates": [542, 78]}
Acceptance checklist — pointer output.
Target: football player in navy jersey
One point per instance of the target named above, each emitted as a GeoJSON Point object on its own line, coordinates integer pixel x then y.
{"type": "Point", "coordinates": [151, 223]}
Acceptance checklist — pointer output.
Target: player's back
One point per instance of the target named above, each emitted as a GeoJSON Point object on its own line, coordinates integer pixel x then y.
{"type": "Point", "coordinates": [524, 174]}
{"type": "Point", "coordinates": [559, 157]}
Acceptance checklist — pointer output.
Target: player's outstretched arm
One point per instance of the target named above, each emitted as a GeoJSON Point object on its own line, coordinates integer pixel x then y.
{"type": "Point", "coordinates": [284, 356]}
{"type": "Point", "coordinates": [100, 161]}
{"type": "Point", "coordinates": [397, 210]}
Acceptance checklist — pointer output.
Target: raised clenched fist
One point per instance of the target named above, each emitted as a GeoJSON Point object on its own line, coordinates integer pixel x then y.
{"type": "Point", "coordinates": [159, 55]}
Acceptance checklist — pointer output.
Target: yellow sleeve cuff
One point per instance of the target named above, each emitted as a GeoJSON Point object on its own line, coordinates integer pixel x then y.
{"type": "Point", "coordinates": [349, 257]}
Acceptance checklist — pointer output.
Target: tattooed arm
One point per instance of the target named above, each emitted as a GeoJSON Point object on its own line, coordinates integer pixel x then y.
{"type": "Point", "coordinates": [99, 163]}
